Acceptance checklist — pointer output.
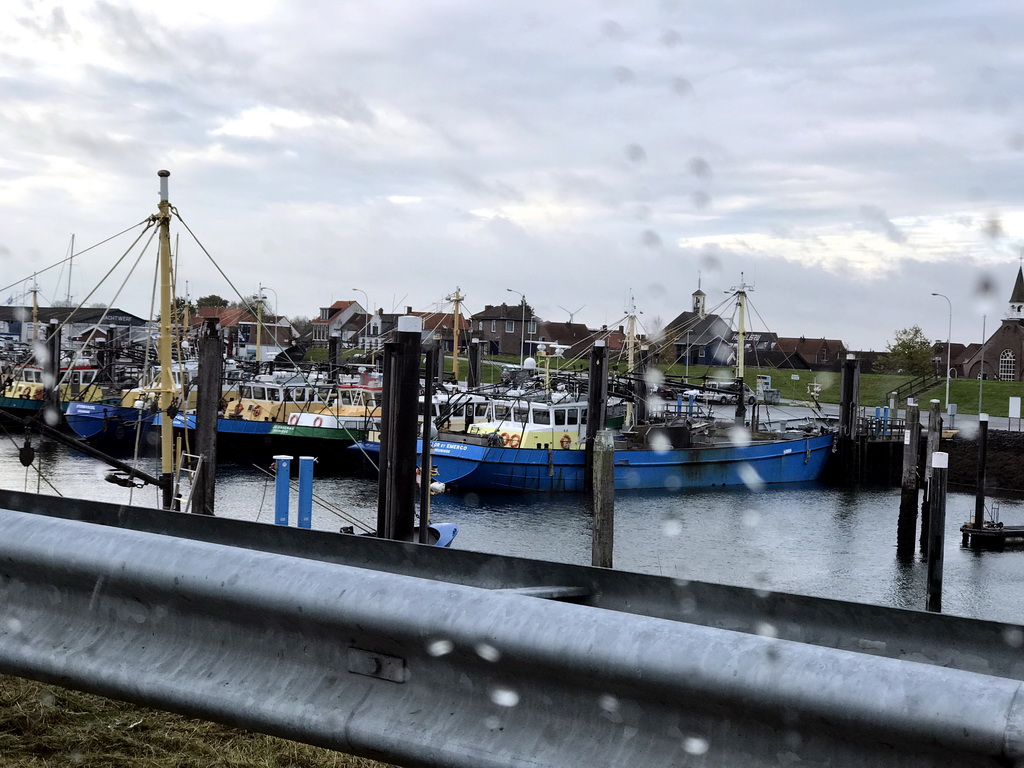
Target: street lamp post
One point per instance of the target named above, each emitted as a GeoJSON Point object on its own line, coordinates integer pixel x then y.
{"type": "Point", "coordinates": [368, 311]}
{"type": "Point", "coordinates": [949, 337]}
{"type": "Point", "coordinates": [522, 331]}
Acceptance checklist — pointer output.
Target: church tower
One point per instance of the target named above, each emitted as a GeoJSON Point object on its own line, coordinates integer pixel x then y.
{"type": "Point", "coordinates": [1016, 310]}
{"type": "Point", "coordinates": [699, 299]}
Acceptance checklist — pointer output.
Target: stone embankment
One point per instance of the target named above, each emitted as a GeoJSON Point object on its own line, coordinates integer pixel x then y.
{"type": "Point", "coordinates": [1004, 462]}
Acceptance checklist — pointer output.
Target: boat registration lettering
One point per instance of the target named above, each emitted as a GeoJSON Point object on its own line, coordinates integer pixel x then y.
{"type": "Point", "coordinates": [448, 447]}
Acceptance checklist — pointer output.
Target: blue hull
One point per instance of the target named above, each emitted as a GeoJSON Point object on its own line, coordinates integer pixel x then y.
{"type": "Point", "coordinates": [113, 423]}
{"type": "Point", "coordinates": [461, 465]}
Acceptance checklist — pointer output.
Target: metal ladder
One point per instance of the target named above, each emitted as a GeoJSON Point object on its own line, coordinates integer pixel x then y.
{"type": "Point", "coordinates": [187, 474]}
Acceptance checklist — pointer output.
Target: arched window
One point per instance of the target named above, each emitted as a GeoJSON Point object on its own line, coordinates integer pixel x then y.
{"type": "Point", "coordinates": [1007, 366]}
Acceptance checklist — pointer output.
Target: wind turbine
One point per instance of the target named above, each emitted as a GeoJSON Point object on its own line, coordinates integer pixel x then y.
{"type": "Point", "coordinates": [572, 315]}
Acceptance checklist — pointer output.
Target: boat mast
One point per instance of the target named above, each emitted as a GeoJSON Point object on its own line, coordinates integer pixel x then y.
{"type": "Point", "coordinates": [630, 352]}
{"type": "Point", "coordinates": [71, 264]}
{"type": "Point", "coordinates": [456, 298]}
{"type": "Point", "coordinates": [166, 390]}
{"type": "Point", "coordinates": [35, 309]}
{"type": "Point", "coordinates": [741, 330]}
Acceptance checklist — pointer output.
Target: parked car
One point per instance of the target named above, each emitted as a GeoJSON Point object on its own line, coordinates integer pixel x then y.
{"type": "Point", "coordinates": [721, 392]}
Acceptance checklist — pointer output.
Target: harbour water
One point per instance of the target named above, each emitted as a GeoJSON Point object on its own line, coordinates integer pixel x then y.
{"type": "Point", "coordinates": [826, 542]}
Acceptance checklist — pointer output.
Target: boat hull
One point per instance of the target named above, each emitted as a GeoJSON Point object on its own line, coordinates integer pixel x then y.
{"type": "Point", "coordinates": [105, 422]}
{"type": "Point", "coordinates": [462, 465]}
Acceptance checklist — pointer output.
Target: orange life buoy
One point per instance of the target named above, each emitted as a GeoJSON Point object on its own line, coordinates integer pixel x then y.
{"type": "Point", "coordinates": [238, 408]}
{"type": "Point", "coordinates": [293, 419]}
{"type": "Point", "coordinates": [317, 421]}
{"type": "Point", "coordinates": [512, 441]}
{"type": "Point", "coordinates": [566, 441]}
{"type": "Point", "coordinates": [256, 411]}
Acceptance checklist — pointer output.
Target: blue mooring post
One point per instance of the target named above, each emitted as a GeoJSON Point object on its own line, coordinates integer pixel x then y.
{"type": "Point", "coordinates": [306, 491]}
{"type": "Point", "coordinates": [283, 465]}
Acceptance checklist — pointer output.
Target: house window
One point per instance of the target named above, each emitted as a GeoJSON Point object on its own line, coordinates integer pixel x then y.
{"type": "Point", "coordinates": [480, 325]}
{"type": "Point", "coordinates": [700, 351]}
{"type": "Point", "coordinates": [325, 314]}
{"type": "Point", "coordinates": [494, 326]}
{"type": "Point", "coordinates": [532, 327]}
{"type": "Point", "coordinates": [1007, 366]}
{"type": "Point", "coordinates": [510, 326]}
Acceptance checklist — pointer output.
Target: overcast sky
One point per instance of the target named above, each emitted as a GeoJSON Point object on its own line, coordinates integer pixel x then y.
{"type": "Point", "coordinates": [848, 159]}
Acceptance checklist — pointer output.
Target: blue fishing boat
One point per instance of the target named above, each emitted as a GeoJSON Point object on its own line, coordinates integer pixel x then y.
{"type": "Point", "coordinates": [475, 464]}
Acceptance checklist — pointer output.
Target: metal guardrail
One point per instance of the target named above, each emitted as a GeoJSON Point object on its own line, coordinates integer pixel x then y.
{"type": "Point", "coordinates": [426, 673]}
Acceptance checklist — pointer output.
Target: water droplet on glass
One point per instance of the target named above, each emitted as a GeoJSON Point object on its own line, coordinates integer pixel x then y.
{"type": "Point", "coordinates": [700, 200]}
{"type": "Point", "coordinates": [487, 652]}
{"type": "Point", "coordinates": [504, 697]}
{"type": "Point", "coordinates": [672, 528]}
{"type": "Point", "coordinates": [651, 239]}
{"type": "Point", "coordinates": [700, 167]}
{"type": "Point", "coordinates": [493, 722]}
{"type": "Point", "coordinates": [764, 629]}
{"type": "Point", "coordinates": [612, 30]}
{"type": "Point", "coordinates": [682, 87]}
{"type": "Point", "coordinates": [635, 153]}
{"type": "Point", "coordinates": [625, 76]}
{"type": "Point", "coordinates": [739, 436]}
{"type": "Point", "coordinates": [750, 477]}
{"type": "Point", "coordinates": [751, 518]}
{"type": "Point", "coordinates": [696, 745]}
{"type": "Point", "coordinates": [1014, 637]}
{"type": "Point", "coordinates": [440, 647]}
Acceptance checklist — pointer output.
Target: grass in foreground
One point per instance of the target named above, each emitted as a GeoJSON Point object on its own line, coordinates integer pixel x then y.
{"type": "Point", "coordinates": [44, 726]}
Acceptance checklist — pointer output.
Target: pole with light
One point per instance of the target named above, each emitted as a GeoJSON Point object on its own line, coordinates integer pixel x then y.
{"type": "Point", "coordinates": [367, 311]}
{"type": "Point", "coordinates": [522, 331]}
{"type": "Point", "coordinates": [949, 337]}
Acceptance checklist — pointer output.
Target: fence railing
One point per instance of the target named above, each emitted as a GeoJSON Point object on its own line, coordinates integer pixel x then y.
{"type": "Point", "coordinates": [422, 672]}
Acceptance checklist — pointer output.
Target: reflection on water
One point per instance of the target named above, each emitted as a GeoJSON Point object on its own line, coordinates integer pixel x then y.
{"type": "Point", "coordinates": [815, 541]}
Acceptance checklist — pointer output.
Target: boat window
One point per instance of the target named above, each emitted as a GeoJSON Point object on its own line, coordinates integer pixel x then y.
{"type": "Point", "coordinates": [500, 412]}
{"type": "Point", "coordinates": [521, 414]}
{"type": "Point", "coordinates": [482, 410]}
{"type": "Point", "coordinates": [299, 395]}
{"type": "Point", "coordinates": [274, 394]}
{"type": "Point", "coordinates": [572, 416]}
{"type": "Point", "coordinates": [583, 416]}
{"type": "Point", "coordinates": [258, 393]}
{"type": "Point", "coordinates": [559, 416]}
{"type": "Point", "coordinates": [541, 416]}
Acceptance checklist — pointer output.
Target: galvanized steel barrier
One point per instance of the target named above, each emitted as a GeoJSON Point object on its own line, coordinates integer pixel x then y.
{"type": "Point", "coordinates": [421, 672]}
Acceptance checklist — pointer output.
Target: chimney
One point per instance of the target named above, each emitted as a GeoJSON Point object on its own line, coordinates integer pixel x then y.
{"type": "Point", "coordinates": [408, 310]}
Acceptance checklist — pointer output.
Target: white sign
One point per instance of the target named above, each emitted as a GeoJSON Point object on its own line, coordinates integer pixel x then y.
{"type": "Point", "coordinates": [795, 376]}
{"type": "Point", "coordinates": [1014, 407]}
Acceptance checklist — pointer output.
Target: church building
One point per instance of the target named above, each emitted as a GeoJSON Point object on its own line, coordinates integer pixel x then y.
{"type": "Point", "coordinates": [1002, 354]}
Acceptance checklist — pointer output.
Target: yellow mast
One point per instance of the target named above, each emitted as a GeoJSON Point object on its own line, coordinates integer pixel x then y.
{"type": "Point", "coordinates": [741, 331]}
{"type": "Point", "coordinates": [455, 297]}
{"type": "Point", "coordinates": [166, 391]}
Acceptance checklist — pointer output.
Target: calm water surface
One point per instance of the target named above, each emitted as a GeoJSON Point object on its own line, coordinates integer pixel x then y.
{"type": "Point", "coordinates": [813, 541]}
